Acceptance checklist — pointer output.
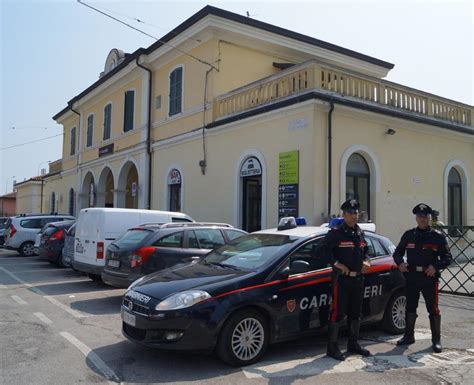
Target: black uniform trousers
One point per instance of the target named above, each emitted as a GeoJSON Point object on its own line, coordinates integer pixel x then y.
{"type": "Point", "coordinates": [347, 296]}
{"type": "Point", "coordinates": [416, 283]}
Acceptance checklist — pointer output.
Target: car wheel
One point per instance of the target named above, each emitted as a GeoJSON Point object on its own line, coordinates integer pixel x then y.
{"type": "Point", "coordinates": [94, 277]}
{"type": "Point", "coordinates": [27, 249]}
{"type": "Point", "coordinates": [243, 338]}
{"type": "Point", "coordinates": [62, 262]}
{"type": "Point", "coordinates": [394, 317]}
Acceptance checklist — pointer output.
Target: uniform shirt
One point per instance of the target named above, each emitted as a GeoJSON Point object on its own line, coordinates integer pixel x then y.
{"type": "Point", "coordinates": [423, 247]}
{"type": "Point", "coordinates": [345, 245]}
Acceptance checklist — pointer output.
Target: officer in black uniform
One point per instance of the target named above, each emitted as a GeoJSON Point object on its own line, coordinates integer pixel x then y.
{"type": "Point", "coordinates": [427, 254]}
{"type": "Point", "coordinates": [346, 248]}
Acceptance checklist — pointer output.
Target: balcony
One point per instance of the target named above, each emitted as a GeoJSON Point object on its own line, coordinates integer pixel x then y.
{"type": "Point", "coordinates": [313, 76]}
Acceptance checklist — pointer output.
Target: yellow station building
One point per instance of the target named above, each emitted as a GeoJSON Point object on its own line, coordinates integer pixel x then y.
{"type": "Point", "coordinates": [234, 120]}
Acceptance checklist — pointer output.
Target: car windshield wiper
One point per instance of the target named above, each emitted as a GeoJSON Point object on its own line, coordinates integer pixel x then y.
{"type": "Point", "coordinates": [224, 265]}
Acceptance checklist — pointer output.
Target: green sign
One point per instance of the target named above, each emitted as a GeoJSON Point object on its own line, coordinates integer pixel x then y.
{"type": "Point", "coordinates": [289, 167]}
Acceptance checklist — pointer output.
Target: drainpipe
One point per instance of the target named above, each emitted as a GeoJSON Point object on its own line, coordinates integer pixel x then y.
{"type": "Point", "coordinates": [331, 103]}
{"type": "Point", "coordinates": [148, 137]}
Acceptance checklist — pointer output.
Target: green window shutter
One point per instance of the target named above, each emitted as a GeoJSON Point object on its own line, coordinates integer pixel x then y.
{"type": "Point", "coordinates": [73, 141]}
{"type": "Point", "coordinates": [176, 80]}
{"type": "Point", "coordinates": [107, 121]}
{"type": "Point", "coordinates": [128, 110]}
{"type": "Point", "coordinates": [90, 128]}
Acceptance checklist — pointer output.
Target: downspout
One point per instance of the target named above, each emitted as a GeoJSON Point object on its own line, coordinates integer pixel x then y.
{"type": "Point", "coordinates": [148, 137]}
{"type": "Point", "coordinates": [331, 103]}
{"type": "Point", "coordinates": [41, 200]}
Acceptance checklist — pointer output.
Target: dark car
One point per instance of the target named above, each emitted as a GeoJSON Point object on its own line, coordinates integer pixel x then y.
{"type": "Point", "coordinates": [68, 249]}
{"type": "Point", "coordinates": [52, 242]}
{"type": "Point", "coordinates": [262, 288]}
{"type": "Point", "coordinates": [149, 248]}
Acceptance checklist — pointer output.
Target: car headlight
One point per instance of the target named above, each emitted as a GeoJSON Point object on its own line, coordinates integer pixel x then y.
{"type": "Point", "coordinates": [183, 300]}
{"type": "Point", "coordinates": [135, 283]}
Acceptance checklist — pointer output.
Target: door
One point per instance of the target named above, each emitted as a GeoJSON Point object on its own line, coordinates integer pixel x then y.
{"type": "Point", "coordinates": [252, 203]}
{"type": "Point", "coordinates": [169, 251]}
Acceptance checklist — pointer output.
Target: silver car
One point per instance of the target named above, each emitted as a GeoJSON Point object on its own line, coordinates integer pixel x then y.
{"type": "Point", "coordinates": [21, 231]}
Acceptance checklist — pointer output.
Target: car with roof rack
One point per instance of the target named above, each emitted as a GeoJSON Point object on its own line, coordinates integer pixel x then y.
{"type": "Point", "coordinates": [266, 287]}
{"type": "Point", "coordinates": [152, 247]}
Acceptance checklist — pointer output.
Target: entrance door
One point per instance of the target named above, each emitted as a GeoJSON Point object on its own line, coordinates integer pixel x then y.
{"type": "Point", "coordinates": [252, 203]}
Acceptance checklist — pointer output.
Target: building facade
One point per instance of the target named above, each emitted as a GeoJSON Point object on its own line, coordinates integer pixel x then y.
{"type": "Point", "coordinates": [246, 122]}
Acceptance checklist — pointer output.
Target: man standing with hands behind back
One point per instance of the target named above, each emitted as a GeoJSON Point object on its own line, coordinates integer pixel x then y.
{"type": "Point", "coordinates": [346, 249]}
{"type": "Point", "coordinates": [427, 254]}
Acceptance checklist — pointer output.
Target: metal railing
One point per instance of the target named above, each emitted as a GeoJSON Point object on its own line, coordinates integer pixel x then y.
{"type": "Point", "coordinates": [458, 278]}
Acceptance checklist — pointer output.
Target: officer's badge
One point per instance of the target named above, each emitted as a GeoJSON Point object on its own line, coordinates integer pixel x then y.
{"type": "Point", "coordinates": [291, 305]}
{"type": "Point", "coordinates": [353, 202]}
{"type": "Point", "coordinates": [422, 207]}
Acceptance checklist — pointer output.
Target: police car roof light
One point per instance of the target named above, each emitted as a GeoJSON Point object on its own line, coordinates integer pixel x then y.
{"type": "Point", "coordinates": [287, 223]}
{"type": "Point", "coordinates": [301, 221]}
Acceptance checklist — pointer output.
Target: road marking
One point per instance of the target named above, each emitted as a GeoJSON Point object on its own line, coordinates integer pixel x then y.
{"type": "Point", "coordinates": [92, 356]}
{"type": "Point", "coordinates": [320, 364]}
{"type": "Point", "coordinates": [54, 301]}
{"type": "Point", "coordinates": [2, 286]}
{"type": "Point", "coordinates": [34, 271]}
{"type": "Point", "coordinates": [43, 318]}
{"type": "Point", "coordinates": [18, 300]}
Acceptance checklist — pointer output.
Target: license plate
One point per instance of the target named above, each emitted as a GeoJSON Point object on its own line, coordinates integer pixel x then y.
{"type": "Point", "coordinates": [79, 249]}
{"type": "Point", "coordinates": [113, 263]}
{"type": "Point", "coordinates": [129, 319]}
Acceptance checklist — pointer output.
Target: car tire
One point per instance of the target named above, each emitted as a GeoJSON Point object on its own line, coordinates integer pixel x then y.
{"type": "Point", "coordinates": [94, 277]}
{"type": "Point", "coordinates": [231, 346]}
{"type": "Point", "coordinates": [393, 320]}
{"type": "Point", "coordinates": [27, 249]}
{"type": "Point", "coordinates": [61, 262]}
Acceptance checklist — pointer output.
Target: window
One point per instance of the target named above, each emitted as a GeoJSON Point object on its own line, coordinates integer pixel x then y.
{"type": "Point", "coordinates": [358, 182]}
{"type": "Point", "coordinates": [192, 240]}
{"type": "Point", "coordinates": [90, 130]}
{"type": "Point", "coordinates": [180, 220]}
{"type": "Point", "coordinates": [73, 141]}
{"type": "Point", "coordinates": [174, 190]}
{"type": "Point", "coordinates": [173, 240]}
{"type": "Point", "coordinates": [209, 238]}
{"type": "Point", "coordinates": [233, 234]}
{"type": "Point", "coordinates": [72, 197]}
{"type": "Point", "coordinates": [45, 221]}
{"type": "Point", "coordinates": [454, 198]}
{"type": "Point", "coordinates": [375, 248]}
{"type": "Point", "coordinates": [129, 110]}
{"type": "Point", "coordinates": [176, 91]}
{"type": "Point", "coordinates": [31, 223]}
{"type": "Point", "coordinates": [107, 121]}
{"type": "Point", "coordinates": [309, 253]}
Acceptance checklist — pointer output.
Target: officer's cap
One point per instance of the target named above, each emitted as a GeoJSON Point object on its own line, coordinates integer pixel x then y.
{"type": "Point", "coordinates": [422, 209]}
{"type": "Point", "coordinates": [350, 206]}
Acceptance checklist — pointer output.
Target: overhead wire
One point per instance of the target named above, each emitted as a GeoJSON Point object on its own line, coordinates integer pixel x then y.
{"type": "Point", "coordinates": [33, 141]}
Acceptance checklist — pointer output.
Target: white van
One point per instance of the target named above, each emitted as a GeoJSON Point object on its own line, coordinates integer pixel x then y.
{"type": "Point", "coordinates": [97, 228]}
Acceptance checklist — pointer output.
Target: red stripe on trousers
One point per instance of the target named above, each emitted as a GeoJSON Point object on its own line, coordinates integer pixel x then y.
{"type": "Point", "coordinates": [436, 308]}
{"type": "Point", "coordinates": [334, 301]}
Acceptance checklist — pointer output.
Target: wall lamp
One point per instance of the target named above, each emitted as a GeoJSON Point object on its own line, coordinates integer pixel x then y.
{"type": "Point", "coordinates": [390, 131]}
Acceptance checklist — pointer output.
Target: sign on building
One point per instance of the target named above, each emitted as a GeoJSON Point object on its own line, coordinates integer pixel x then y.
{"type": "Point", "coordinates": [288, 189]}
{"type": "Point", "coordinates": [251, 167]}
{"type": "Point", "coordinates": [174, 177]}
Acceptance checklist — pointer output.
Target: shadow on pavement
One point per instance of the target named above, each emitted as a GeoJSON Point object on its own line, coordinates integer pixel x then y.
{"type": "Point", "coordinates": [83, 286]}
{"type": "Point", "coordinates": [99, 306]}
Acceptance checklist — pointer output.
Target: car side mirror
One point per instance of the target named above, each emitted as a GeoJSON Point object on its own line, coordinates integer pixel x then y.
{"type": "Point", "coordinates": [284, 273]}
{"type": "Point", "coordinates": [299, 266]}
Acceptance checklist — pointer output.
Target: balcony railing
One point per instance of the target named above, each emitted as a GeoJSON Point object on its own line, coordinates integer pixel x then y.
{"type": "Point", "coordinates": [312, 75]}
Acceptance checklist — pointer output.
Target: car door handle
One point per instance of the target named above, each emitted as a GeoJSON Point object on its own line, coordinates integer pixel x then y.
{"type": "Point", "coordinates": [195, 258]}
{"type": "Point", "coordinates": [385, 274]}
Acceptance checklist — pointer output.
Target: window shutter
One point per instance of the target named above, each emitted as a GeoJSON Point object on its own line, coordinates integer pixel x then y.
{"type": "Point", "coordinates": [129, 107]}
{"type": "Point", "coordinates": [90, 127]}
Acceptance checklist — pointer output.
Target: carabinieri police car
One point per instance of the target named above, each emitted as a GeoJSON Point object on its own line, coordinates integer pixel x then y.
{"type": "Point", "coordinates": [262, 288]}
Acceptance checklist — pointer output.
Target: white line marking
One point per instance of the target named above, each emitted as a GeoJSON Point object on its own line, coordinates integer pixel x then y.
{"type": "Point", "coordinates": [92, 356]}
{"type": "Point", "coordinates": [43, 318]}
{"type": "Point", "coordinates": [54, 301]}
{"type": "Point", "coordinates": [35, 271]}
{"type": "Point", "coordinates": [2, 286]}
{"type": "Point", "coordinates": [18, 300]}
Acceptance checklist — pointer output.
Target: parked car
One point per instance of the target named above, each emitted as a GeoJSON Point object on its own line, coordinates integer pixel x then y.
{"type": "Point", "coordinates": [145, 249]}
{"type": "Point", "coordinates": [21, 230]}
{"type": "Point", "coordinates": [97, 228]}
{"type": "Point", "coordinates": [52, 242]}
{"type": "Point", "coordinates": [3, 221]}
{"type": "Point", "coordinates": [68, 249]}
{"type": "Point", "coordinates": [262, 288]}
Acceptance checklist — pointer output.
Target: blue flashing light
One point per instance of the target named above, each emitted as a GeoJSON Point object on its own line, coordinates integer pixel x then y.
{"type": "Point", "coordinates": [301, 221]}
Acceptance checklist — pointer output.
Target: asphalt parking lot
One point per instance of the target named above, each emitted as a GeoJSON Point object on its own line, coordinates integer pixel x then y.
{"type": "Point", "coordinates": [58, 327]}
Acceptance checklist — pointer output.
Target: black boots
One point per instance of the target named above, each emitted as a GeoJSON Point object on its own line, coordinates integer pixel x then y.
{"type": "Point", "coordinates": [352, 345]}
{"type": "Point", "coordinates": [435, 323]}
{"type": "Point", "coordinates": [409, 336]}
{"type": "Point", "coordinates": [333, 347]}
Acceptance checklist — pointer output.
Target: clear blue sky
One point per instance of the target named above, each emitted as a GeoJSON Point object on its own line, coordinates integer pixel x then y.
{"type": "Point", "coordinates": [52, 50]}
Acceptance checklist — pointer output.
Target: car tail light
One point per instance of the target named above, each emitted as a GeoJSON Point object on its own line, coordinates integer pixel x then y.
{"type": "Point", "coordinates": [141, 255]}
{"type": "Point", "coordinates": [12, 231]}
{"type": "Point", "coordinates": [100, 250]}
{"type": "Point", "coordinates": [57, 235]}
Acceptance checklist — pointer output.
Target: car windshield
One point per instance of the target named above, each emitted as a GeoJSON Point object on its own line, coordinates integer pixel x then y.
{"type": "Point", "coordinates": [132, 237]}
{"type": "Point", "coordinates": [249, 252]}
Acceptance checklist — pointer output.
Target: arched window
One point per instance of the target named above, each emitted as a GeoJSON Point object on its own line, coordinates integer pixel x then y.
{"type": "Point", "coordinates": [358, 181]}
{"type": "Point", "coordinates": [174, 190]}
{"type": "Point", "coordinates": [176, 91]}
{"type": "Point", "coordinates": [454, 198]}
{"type": "Point", "coordinates": [71, 201]}
{"type": "Point", "coordinates": [53, 202]}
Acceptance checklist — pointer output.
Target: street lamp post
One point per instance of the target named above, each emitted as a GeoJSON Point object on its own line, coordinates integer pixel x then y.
{"type": "Point", "coordinates": [6, 185]}
{"type": "Point", "coordinates": [38, 173]}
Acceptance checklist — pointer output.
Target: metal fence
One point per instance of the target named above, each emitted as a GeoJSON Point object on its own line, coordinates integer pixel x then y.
{"type": "Point", "coordinates": [458, 278]}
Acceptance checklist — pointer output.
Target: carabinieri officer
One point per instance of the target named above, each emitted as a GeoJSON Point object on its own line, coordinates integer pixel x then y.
{"type": "Point", "coordinates": [427, 254]}
{"type": "Point", "coordinates": [346, 248]}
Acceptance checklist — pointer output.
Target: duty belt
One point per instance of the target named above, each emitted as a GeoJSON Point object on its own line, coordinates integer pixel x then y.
{"type": "Point", "coordinates": [418, 269]}
{"type": "Point", "coordinates": [353, 274]}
